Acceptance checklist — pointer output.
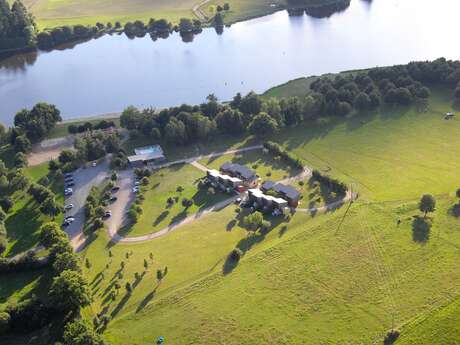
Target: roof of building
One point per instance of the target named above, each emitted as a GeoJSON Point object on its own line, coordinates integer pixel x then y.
{"type": "Point", "coordinates": [287, 190]}
{"type": "Point", "coordinates": [216, 174]}
{"type": "Point", "coordinates": [239, 169]}
{"type": "Point", "coordinates": [146, 157]}
{"type": "Point", "coordinates": [259, 194]}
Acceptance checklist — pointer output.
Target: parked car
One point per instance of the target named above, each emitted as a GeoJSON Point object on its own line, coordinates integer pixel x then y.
{"type": "Point", "coordinates": [115, 189]}
{"type": "Point", "coordinates": [68, 175]}
{"type": "Point", "coordinates": [93, 164]}
{"type": "Point", "coordinates": [238, 201]}
{"type": "Point", "coordinates": [69, 219]}
{"type": "Point", "coordinates": [68, 207]}
{"type": "Point", "coordinates": [113, 199]}
{"type": "Point", "coordinates": [70, 184]}
{"type": "Point", "coordinates": [65, 223]}
{"type": "Point", "coordinates": [135, 189]}
{"type": "Point", "coordinates": [137, 183]}
{"type": "Point", "coordinates": [68, 193]}
{"type": "Point", "coordinates": [70, 178]}
{"type": "Point", "coordinates": [108, 214]}
{"type": "Point", "coordinates": [68, 189]}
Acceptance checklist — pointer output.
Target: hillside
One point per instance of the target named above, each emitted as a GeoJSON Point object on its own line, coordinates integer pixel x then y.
{"type": "Point", "coordinates": [355, 270]}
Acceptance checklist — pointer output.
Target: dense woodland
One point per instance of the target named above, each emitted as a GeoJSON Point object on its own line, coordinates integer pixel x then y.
{"type": "Point", "coordinates": [338, 96]}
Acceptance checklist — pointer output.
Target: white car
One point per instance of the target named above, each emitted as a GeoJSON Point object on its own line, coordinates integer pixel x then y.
{"type": "Point", "coordinates": [68, 190]}
{"type": "Point", "coordinates": [93, 164]}
{"type": "Point", "coordinates": [135, 189]}
{"type": "Point", "coordinates": [137, 183]}
{"type": "Point", "coordinates": [68, 207]}
{"type": "Point", "coordinates": [70, 219]}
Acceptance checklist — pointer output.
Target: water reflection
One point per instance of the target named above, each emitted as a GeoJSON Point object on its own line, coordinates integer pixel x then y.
{"type": "Point", "coordinates": [106, 74]}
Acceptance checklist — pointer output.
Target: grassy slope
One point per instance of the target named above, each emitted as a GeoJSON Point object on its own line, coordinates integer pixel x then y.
{"type": "Point", "coordinates": [163, 184]}
{"type": "Point", "coordinates": [317, 284]}
{"type": "Point", "coordinates": [327, 279]}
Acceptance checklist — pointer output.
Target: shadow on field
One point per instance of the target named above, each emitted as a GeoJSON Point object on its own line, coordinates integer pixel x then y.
{"type": "Point", "coordinates": [146, 301]}
{"type": "Point", "coordinates": [120, 305]}
{"type": "Point", "coordinates": [454, 211]}
{"type": "Point", "coordinates": [421, 229]}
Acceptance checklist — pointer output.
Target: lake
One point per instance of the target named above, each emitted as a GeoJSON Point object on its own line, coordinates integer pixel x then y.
{"type": "Point", "coordinates": [105, 75]}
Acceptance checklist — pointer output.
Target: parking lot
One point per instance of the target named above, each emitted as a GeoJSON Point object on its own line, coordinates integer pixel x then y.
{"type": "Point", "coordinates": [84, 179]}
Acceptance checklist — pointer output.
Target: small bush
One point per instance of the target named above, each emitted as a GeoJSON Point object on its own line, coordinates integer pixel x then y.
{"type": "Point", "coordinates": [187, 202]}
{"type": "Point", "coordinates": [301, 183]}
{"type": "Point", "coordinates": [236, 254]}
{"type": "Point", "coordinates": [180, 189]}
{"type": "Point", "coordinates": [145, 181]}
{"type": "Point", "coordinates": [265, 225]}
{"type": "Point", "coordinates": [4, 322]}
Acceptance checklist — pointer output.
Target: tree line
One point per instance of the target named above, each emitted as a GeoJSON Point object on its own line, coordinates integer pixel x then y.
{"type": "Point", "coordinates": [341, 95]}
{"type": "Point", "coordinates": [67, 294]}
{"type": "Point", "coordinates": [17, 26]}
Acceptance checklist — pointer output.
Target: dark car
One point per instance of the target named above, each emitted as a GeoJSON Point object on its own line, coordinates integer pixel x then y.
{"type": "Point", "coordinates": [115, 189]}
{"type": "Point", "coordinates": [113, 199]}
{"type": "Point", "coordinates": [70, 184]}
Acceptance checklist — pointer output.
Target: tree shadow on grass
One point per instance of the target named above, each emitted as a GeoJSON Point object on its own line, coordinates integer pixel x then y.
{"type": "Point", "coordinates": [146, 300]}
{"type": "Point", "coordinates": [161, 217]}
{"type": "Point", "coordinates": [421, 229]}
{"type": "Point", "coordinates": [454, 211]}
{"type": "Point", "coordinates": [229, 265]}
{"type": "Point", "coordinates": [230, 225]}
{"type": "Point", "coordinates": [120, 305]}
{"type": "Point", "coordinates": [180, 216]}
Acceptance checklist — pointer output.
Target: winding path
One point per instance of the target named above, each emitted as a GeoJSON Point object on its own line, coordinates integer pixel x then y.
{"type": "Point", "coordinates": [196, 9]}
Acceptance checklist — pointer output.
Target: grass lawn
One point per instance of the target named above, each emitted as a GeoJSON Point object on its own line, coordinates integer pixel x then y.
{"type": "Point", "coordinates": [241, 10]}
{"type": "Point", "coordinates": [24, 220]}
{"type": "Point", "coordinates": [265, 165]}
{"type": "Point", "coordinates": [157, 214]}
{"type": "Point", "coordinates": [172, 152]}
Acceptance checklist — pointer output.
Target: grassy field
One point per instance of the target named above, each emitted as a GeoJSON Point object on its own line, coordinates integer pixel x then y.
{"type": "Point", "coordinates": [343, 277]}
{"type": "Point", "coordinates": [50, 13]}
{"type": "Point", "coordinates": [164, 184]}
{"type": "Point", "coordinates": [218, 144]}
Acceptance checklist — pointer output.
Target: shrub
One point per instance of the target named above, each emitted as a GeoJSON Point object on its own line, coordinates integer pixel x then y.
{"type": "Point", "coordinates": [265, 225]}
{"type": "Point", "coordinates": [180, 189]}
{"type": "Point", "coordinates": [145, 181]}
{"type": "Point", "coordinates": [187, 202]}
{"type": "Point", "coordinates": [391, 337]}
{"type": "Point", "coordinates": [4, 322]}
{"type": "Point", "coordinates": [235, 255]}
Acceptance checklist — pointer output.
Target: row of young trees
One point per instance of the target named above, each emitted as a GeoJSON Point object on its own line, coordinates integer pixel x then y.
{"type": "Point", "coordinates": [17, 26]}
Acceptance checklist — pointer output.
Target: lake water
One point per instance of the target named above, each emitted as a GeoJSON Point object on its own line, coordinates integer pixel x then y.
{"type": "Point", "coordinates": [106, 74]}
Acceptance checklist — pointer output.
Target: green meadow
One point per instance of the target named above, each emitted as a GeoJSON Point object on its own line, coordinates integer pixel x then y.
{"type": "Point", "coordinates": [343, 277]}
{"type": "Point", "coordinates": [177, 182]}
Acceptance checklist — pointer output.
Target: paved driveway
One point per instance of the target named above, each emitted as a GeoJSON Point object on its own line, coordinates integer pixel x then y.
{"type": "Point", "coordinates": [84, 179]}
{"type": "Point", "coordinates": [125, 197]}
